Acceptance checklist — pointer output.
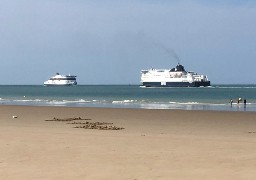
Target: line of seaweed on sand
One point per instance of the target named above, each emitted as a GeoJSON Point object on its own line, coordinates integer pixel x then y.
{"type": "Point", "coordinates": [68, 119]}
{"type": "Point", "coordinates": [86, 124]}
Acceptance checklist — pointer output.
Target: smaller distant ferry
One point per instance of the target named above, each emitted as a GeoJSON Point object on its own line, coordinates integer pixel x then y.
{"type": "Point", "coordinates": [61, 80]}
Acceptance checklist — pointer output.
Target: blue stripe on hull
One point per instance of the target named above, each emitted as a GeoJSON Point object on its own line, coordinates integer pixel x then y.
{"type": "Point", "coordinates": [176, 84]}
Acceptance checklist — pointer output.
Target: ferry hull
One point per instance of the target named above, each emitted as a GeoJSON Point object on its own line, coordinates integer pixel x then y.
{"type": "Point", "coordinates": [176, 84]}
{"type": "Point", "coordinates": [60, 84]}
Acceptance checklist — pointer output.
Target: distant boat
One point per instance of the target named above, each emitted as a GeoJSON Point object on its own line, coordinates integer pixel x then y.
{"type": "Point", "coordinates": [61, 80]}
{"type": "Point", "coordinates": [175, 77]}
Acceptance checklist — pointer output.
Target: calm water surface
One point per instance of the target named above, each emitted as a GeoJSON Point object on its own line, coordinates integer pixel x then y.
{"type": "Point", "coordinates": [216, 97]}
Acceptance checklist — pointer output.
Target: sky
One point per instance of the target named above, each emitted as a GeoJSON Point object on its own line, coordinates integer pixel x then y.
{"type": "Point", "coordinates": [111, 41]}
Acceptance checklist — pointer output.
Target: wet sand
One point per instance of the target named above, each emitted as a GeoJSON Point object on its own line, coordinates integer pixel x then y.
{"type": "Point", "coordinates": [154, 144]}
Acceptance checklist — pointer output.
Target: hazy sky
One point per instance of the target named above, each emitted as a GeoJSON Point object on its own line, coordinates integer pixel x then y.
{"type": "Point", "coordinates": [110, 41]}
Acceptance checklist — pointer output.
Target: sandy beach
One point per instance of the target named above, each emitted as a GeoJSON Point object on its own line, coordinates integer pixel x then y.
{"type": "Point", "coordinates": [154, 144]}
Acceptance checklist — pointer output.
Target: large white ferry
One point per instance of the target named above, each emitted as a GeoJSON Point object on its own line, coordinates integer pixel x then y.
{"type": "Point", "coordinates": [175, 77]}
{"type": "Point", "coordinates": [62, 80]}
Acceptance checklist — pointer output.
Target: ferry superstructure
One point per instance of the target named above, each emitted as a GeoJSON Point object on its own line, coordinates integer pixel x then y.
{"type": "Point", "coordinates": [61, 80]}
{"type": "Point", "coordinates": [175, 77]}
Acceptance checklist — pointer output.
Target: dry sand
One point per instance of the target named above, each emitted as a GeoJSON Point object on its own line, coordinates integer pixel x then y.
{"type": "Point", "coordinates": [155, 144]}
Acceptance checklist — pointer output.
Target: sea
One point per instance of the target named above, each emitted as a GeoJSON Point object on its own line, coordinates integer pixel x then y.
{"type": "Point", "coordinates": [216, 97]}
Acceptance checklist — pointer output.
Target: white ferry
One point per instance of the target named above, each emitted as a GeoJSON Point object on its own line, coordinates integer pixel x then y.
{"type": "Point", "coordinates": [62, 80]}
{"type": "Point", "coordinates": [175, 77]}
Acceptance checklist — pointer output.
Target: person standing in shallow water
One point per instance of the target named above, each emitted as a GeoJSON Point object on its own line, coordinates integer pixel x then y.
{"type": "Point", "coordinates": [231, 102]}
{"type": "Point", "coordinates": [238, 101]}
{"type": "Point", "coordinates": [244, 102]}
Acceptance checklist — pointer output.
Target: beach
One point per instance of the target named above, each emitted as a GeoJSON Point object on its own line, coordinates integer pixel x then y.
{"type": "Point", "coordinates": [41, 143]}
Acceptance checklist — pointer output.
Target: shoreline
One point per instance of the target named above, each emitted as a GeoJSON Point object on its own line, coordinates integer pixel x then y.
{"type": "Point", "coordinates": [171, 106]}
{"type": "Point", "coordinates": [154, 144]}
{"type": "Point", "coordinates": [132, 108]}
